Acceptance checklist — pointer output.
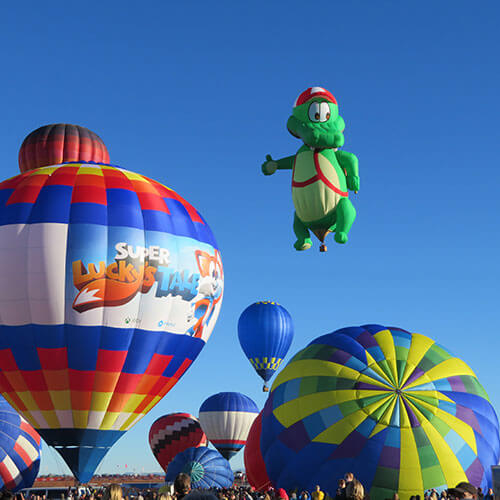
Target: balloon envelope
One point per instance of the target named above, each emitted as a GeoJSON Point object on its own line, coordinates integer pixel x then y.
{"type": "Point", "coordinates": [255, 467]}
{"type": "Point", "coordinates": [206, 467]}
{"type": "Point", "coordinates": [226, 418]}
{"type": "Point", "coordinates": [110, 286]}
{"type": "Point", "coordinates": [60, 143]}
{"type": "Point", "coordinates": [171, 434]}
{"type": "Point", "coordinates": [265, 331]}
{"type": "Point", "coordinates": [20, 449]}
{"type": "Point", "coordinates": [395, 408]}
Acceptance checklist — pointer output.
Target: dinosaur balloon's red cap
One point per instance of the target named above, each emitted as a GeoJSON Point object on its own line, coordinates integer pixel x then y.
{"type": "Point", "coordinates": [313, 92]}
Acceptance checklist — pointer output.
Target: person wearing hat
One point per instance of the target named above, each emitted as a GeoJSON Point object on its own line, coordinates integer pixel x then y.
{"type": "Point", "coordinates": [463, 490]}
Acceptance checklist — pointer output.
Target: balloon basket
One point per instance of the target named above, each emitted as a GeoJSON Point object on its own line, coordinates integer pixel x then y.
{"type": "Point", "coordinates": [265, 388]}
{"type": "Point", "coordinates": [323, 248]}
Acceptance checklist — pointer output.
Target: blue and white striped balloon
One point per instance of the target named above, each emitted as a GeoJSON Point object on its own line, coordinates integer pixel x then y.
{"type": "Point", "coordinates": [226, 419]}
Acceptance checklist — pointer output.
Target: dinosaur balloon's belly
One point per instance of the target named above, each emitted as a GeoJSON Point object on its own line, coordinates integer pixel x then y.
{"type": "Point", "coordinates": [315, 186]}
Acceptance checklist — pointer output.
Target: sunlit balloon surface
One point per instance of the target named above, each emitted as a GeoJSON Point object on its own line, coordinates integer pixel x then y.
{"type": "Point", "coordinates": [111, 284]}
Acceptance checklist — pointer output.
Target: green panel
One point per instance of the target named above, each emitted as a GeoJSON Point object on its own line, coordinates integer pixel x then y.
{"type": "Point", "coordinates": [427, 456]}
{"type": "Point", "coordinates": [432, 477]}
{"type": "Point", "coordinates": [386, 477]}
{"type": "Point", "coordinates": [377, 493]}
{"type": "Point", "coordinates": [384, 366]}
{"type": "Point", "coordinates": [377, 414]}
{"type": "Point", "coordinates": [401, 353]}
{"type": "Point", "coordinates": [442, 427]}
{"type": "Point", "coordinates": [421, 438]}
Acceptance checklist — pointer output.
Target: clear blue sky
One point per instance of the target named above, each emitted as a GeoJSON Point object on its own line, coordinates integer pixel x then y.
{"type": "Point", "coordinates": [195, 94]}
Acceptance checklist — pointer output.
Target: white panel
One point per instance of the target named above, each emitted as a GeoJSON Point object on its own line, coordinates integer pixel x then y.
{"type": "Point", "coordinates": [46, 272]}
{"type": "Point", "coordinates": [31, 451]}
{"type": "Point", "coordinates": [65, 418]}
{"type": "Point", "coordinates": [40, 419]}
{"type": "Point", "coordinates": [12, 469]}
{"type": "Point", "coordinates": [120, 420]}
{"type": "Point", "coordinates": [233, 425]}
{"type": "Point", "coordinates": [95, 419]}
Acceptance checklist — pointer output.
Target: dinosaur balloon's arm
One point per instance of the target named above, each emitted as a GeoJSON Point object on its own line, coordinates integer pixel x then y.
{"type": "Point", "coordinates": [349, 164]}
{"type": "Point", "coordinates": [270, 166]}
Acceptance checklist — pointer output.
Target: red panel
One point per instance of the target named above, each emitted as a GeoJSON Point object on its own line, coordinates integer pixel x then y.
{"type": "Point", "coordinates": [22, 453]}
{"type": "Point", "coordinates": [81, 400]}
{"type": "Point", "coordinates": [89, 194]}
{"type": "Point", "coordinates": [180, 371]}
{"type": "Point", "coordinates": [110, 361]}
{"type": "Point", "coordinates": [128, 382]}
{"type": "Point", "coordinates": [43, 400]}
{"type": "Point", "coordinates": [63, 176]}
{"type": "Point", "coordinates": [56, 380]}
{"type": "Point", "coordinates": [116, 179]}
{"type": "Point", "coordinates": [24, 194]}
{"type": "Point", "coordinates": [29, 430]}
{"type": "Point", "coordinates": [13, 182]}
{"type": "Point", "coordinates": [81, 380]}
{"type": "Point", "coordinates": [105, 381]}
{"type": "Point", "coordinates": [34, 380]}
{"type": "Point", "coordinates": [143, 404]}
{"type": "Point", "coordinates": [53, 358]}
{"type": "Point", "coordinates": [94, 180]}
{"type": "Point", "coordinates": [193, 213]}
{"type": "Point", "coordinates": [151, 201]}
{"type": "Point", "coordinates": [158, 364]}
{"type": "Point", "coordinates": [7, 360]}
{"type": "Point", "coordinates": [6, 476]}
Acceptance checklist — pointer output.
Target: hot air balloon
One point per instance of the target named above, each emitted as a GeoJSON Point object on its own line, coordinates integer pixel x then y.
{"type": "Point", "coordinates": [20, 449]}
{"type": "Point", "coordinates": [206, 467]}
{"type": "Point", "coordinates": [226, 418]}
{"type": "Point", "coordinates": [393, 407]}
{"type": "Point", "coordinates": [110, 286]}
{"type": "Point", "coordinates": [171, 434]}
{"type": "Point", "coordinates": [322, 173]}
{"type": "Point", "coordinates": [255, 467]}
{"type": "Point", "coordinates": [60, 143]}
{"type": "Point", "coordinates": [265, 331]}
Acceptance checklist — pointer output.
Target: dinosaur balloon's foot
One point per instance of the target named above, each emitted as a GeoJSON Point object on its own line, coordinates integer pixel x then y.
{"type": "Point", "coordinates": [341, 237]}
{"type": "Point", "coordinates": [304, 244]}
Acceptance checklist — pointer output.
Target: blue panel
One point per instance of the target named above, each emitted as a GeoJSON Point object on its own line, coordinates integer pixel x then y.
{"type": "Point", "coordinates": [89, 213]}
{"type": "Point", "coordinates": [229, 401]}
{"type": "Point", "coordinates": [17, 213]}
{"type": "Point", "coordinates": [155, 220]}
{"type": "Point", "coordinates": [83, 347]}
{"type": "Point", "coordinates": [181, 220]}
{"type": "Point", "coordinates": [124, 208]}
{"type": "Point", "coordinates": [52, 205]}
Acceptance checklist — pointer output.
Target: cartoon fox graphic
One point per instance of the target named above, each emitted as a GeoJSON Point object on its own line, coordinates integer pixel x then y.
{"type": "Point", "coordinates": [209, 291]}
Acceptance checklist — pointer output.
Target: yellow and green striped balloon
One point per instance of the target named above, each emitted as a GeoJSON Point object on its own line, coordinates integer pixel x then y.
{"type": "Point", "coordinates": [393, 407]}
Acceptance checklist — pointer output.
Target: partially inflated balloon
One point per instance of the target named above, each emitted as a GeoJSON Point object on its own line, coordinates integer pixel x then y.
{"type": "Point", "coordinates": [206, 467]}
{"type": "Point", "coordinates": [265, 331]}
{"type": "Point", "coordinates": [226, 418]}
{"type": "Point", "coordinates": [60, 143]}
{"type": "Point", "coordinates": [171, 434]}
{"type": "Point", "coordinates": [395, 408]}
{"type": "Point", "coordinates": [19, 450]}
{"type": "Point", "coordinates": [110, 286]}
{"type": "Point", "coordinates": [255, 467]}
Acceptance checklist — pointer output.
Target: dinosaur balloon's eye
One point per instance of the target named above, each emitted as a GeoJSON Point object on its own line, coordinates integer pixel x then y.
{"type": "Point", "coordinates": [324, 112]}
{"type": "Point", "coordinates": [314, 112]}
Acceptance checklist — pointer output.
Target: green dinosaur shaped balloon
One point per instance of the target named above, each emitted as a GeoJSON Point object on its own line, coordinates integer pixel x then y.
{"type": "Point", "coordinates": [322, 173]}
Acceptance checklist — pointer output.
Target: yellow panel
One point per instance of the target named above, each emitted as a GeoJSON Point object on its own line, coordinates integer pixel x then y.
{"type": "Point", "coordinates": [410, 474]}
{"type": "Point", "coordinates": [386, 418]}
{"type": "Point", "coordinates": [375, 367]}
{"type": "Point", "coordinates": [420, 344]}
{"type": "Point", "coordinates": [80, 419]}
{"type": "Point", "coordinates": [150, 405]}
{"type": "Point", "coordinates": [429, 394]}
{"type": "Point", "coordinates": [85, 169]}
{"type": "Point", "coordinates": [465, 431]}
{"type": "Point", "coordinates": [133, 176]}
{"type": "Point", "coordinates": [133, 402]}
{"type": "Point", "coordinates": [43, 171]}
{"type": "Point", "coordinates": [28, 400]}
{"type": "Point", "coordinates": [61, 399]}
{"type": "Point", "coordinates": [51, 419]}
{"type": "Point", "coordinates": [317, 368]}
{"type": "Point", "coordinates": [337, 432]}
{"type": "Point", "coordinates": [130, 421]}
{"type": "Point", "coordinates": [108, 420]}
{"type": "Point", "coordinates": [448, 368]}
{"type": "Point", "coordinates": [452, 469]}
{"type": "Point", "coordinates": [385, 341]}
{"type": "Point", "coordinates": [100, 401]}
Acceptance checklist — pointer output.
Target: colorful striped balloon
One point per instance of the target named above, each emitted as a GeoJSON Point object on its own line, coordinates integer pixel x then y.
{"type": "Point", "coordinates": [61, 143]}
{"type": "Point", "coordinates": [395, 408]}
{"type": "Point", "coordinates": [226, 418]}
{"type": "Point", "coordinates": [173, 433]}
{"type": "Point", "coordinates": [20, 447]}
{"type": "Point", "coordinates": [110, 286]}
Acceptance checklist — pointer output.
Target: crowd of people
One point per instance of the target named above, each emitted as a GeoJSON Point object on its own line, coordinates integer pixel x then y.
{"type": "Point", "coordinates": [349, 488]}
